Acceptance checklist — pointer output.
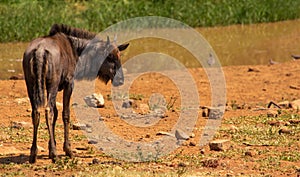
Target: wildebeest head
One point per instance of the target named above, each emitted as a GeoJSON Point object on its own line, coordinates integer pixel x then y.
{"type": "Point", "coordinates": [101, 59]}
{"type": "Point", "coordinates": [111, 68]}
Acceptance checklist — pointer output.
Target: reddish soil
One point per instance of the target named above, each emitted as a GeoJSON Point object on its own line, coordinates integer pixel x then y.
{"type": "Point", "coordinates": [243, 87]}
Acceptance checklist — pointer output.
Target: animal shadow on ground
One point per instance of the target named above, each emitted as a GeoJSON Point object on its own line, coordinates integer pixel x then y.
{"type": "Point", "coordinates": [18, 159]}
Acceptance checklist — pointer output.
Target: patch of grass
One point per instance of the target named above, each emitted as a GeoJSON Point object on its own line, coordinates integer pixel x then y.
{"type": "Point", "coordinates": [135, 96]}
{"type": "Point", "coordinates": [25, 20]}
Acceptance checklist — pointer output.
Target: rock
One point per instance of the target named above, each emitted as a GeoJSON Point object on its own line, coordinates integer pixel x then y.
{"type": "Point", "coordinates": [92, 142]}
{"type": "Point", "coordinates": [17, 77]}
{"type": "Point", "coordinates": [202, 151]}
{"type": "Point", "coordinates": [182, 164]}
{"type": "Point", "coordinates": [285, 131]}
{"type": "Point", "coordinates": [214, 113]}
{"type": "Point", "coordinates": [272, 113]}
{"type": "Point", "coordinates": [22, 100]}
{"type": "Point", "coordinates": [253, 70]}
{"type": "Point", "coordinates": [277, 123]}
{"type": "Point", "coordinates": [95, 100]}
{"type": "Point", "coordinates": [76, 151]}
{"type": "Point", "coordinates": [295, 104]}
{"type": "Point", "coordinates": [89, 130]}
{"type": "Point", "coordinates": [41, 149]}
{"type": "Point", "coordinates": [165, 133]}
{"type": "Point", "coordinates": [144, 108]}
{"type": "Point", "coordinates": [183, 143]}
{"type": "Point", "coordinates": [82, 148]}
{"type": "Point", "coordinates": [210, 163]}
{"type": "Point", "coordinates": [22, 124]}
{"type": "Point", "coordinates": [79, 126]}
{"type": "Point", "coordinates": [284, 104]}
{"type": "Point", "coordinates": [127, 103]}
{"type": "Point", "coordinates": [95, 161]}
{"type": "Point", "coordinates": [219, 145]}
{"type": "Point", "coordinates": [294, 121]}
{"type": "Point", "coordinates": [249, 153]}
{"type": "Point", "coordinates": [192, 135]}
{"type": "Point", "coordinates": [294, 87]}
{"type": "Point", "coordinates": [147, 135]}
{"type": "Point", "coordinates": [180, 135]}
{"type": "Point", "coordinates": [192, 143]}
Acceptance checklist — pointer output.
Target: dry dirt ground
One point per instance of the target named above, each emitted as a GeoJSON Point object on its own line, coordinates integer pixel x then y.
{"type": "Point", "coordinates": [245, 89]}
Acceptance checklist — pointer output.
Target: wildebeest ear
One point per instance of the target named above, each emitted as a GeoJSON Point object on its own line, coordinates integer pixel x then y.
{"type": "Point", "coordinates": [123, 46]}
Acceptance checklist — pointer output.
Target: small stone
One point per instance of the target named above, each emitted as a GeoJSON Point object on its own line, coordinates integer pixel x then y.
{"type": "Point", "coordinates": [17, 77]}
{"type": "Point", "coordinates": [180, 135]}
{"type": "Point", "coordinates": [184, 143]}
{"type": "Point", "coordinates": [295, 104]}
{"type": "Point", "coordinates": [202, 151]}
{"type": "Point", "coordinates": [79, 126]}
{"type": "Point", "coordinates": [41, 149]}
{"type": "Point", "coordinates": [294, 121]}
{"type": "Point", "coordinates": [284, 104]}
{"type": "Point", "coordinates": [214, 113]}
{"type": "Point", "coordinates": [285, 131]}
{"type": "Point", "coordinates": [21, 124]}
{"type": "Point", "coordinates": [182, 164]}
{"type": "Point", "coordinates": [164, 133]}
{"type": "Point", "coordinates": [253, 70]}
{"type": "Point", "coordinates": [89, 130]}
{"type": "Point", "coordinates": [76, 151]}
{"type": "Point", "coordinates": [272, 113]}
{"type": "Point", "coordinates": [248, 153]}
{"type": "Point", "coordinates": [22, 100]}
{"type": "Point", "coordinates": [95, 100]}
{"type": "Point", "coordinates": [95, 161]}
{"type": "Point", "coordinates": [294, 87]}
{"type": "Point", "coordinates": [192, 135]}
{"type": "Point", "coordinates": [219, 145]}
{"type": "Point", "coordinates": [147, 135]}
{"type": "Point", "coordinates": [276, 123]}
{"type": "Point", "coordinates": [82, 148]}
{"type": "Point", "coordinates": [127, 104]}
{"type": "Point", "coordinates": [192, 143]}
{"type": "Point", "coordinates": [144, 108]}
{"type": "Point", "coordinates": [92, 142]}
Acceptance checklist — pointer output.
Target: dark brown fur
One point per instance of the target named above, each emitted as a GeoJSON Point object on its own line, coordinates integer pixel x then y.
{"type": "Point", "coordinates": [49, 65]}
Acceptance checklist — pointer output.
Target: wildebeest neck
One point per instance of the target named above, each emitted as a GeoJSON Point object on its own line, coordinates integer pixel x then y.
{"type": "Point", "coordinates": [78, 44]}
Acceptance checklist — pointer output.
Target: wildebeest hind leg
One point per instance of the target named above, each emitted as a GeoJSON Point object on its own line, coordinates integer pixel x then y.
{"type": "Point", "coordinates": [35, 121]}
{"type": "Point", "coordinates": [50, 121]}
{"type": "Point", "coordinates": [66, 118]}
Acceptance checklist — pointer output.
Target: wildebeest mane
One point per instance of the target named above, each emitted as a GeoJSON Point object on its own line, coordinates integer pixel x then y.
{"type": "Point", "coordinates": [70, 31]}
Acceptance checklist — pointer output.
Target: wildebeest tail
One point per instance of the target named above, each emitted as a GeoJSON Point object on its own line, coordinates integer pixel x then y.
{"type": "Point", "coordinates": [40, 67]}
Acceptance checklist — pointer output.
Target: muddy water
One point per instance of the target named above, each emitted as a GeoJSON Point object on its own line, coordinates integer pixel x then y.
{"type": "Point", "coordinates": [235, 45]}
{"type": "Point", "coordinates": [254, 44]}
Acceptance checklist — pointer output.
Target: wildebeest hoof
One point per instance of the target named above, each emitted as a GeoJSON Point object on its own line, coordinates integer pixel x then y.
{"type": "Point", "coordinates": [32, 159]}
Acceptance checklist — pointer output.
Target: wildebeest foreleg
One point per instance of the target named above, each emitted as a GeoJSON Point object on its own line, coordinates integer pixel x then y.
{"type": "Point", "coordinates": [66, 118]}
{"type": "Point", "coordinates": [35, 121]}
{"type": "Point", "coordinates": [51, 116]}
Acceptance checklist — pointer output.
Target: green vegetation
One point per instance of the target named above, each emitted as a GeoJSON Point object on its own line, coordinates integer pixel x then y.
{"type": "Point", "coordinates": [25, 20]}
